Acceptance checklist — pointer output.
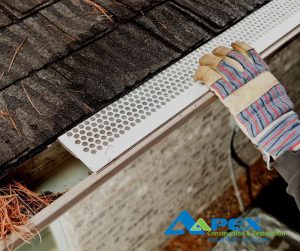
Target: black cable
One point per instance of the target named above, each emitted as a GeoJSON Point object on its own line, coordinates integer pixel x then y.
{"type": "Point", "coordinates": [240, 162]}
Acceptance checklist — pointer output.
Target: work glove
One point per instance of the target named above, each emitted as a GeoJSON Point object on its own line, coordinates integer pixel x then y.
{"type": "Point", "coordinates": [255, 98]}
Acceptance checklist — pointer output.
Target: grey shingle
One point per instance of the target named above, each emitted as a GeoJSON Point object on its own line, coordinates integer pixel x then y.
{"type": "Point", "coordinates": [218, 12]}
{"type": "Point", "coordinates": [141, 4]}
{"type": "Point", "coordinates": [47, 34]}
{"type": "Point", "coordinates": [119, 10]}
{"type": "Point", "coordinates": [11, 144]}
{"type": "Point", "coordinates": [136, 5]}
{"type": "Point", "coordinates": [4, 19]}
{"type": "Point", "coordinates": [54, 107]}
{"type": "Point", "coordinates": [44, 43]}
{"type": "Point", "coordinates": [29, 57]}
{"type": "Point", "coordinates": [19, 8]}
{"type": "Point", "coordinates": [247, 5]}
{"type": "Point", "coordinates": [174, 26]}
{"type": "Point", "coordinates": [77, 18]}
{"type": "Point", "coordinates": [120, 59]}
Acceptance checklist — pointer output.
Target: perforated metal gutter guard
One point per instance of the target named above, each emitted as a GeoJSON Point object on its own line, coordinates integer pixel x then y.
{"type": "Point", "coordinates": [110, 136]}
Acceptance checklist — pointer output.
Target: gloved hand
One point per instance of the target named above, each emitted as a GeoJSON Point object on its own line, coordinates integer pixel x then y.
{"type": "Point", "coordinates": [256, 99]}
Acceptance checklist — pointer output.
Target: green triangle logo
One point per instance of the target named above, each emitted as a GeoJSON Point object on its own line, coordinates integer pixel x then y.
{"type": "Point", "coordinates": [201, 225]}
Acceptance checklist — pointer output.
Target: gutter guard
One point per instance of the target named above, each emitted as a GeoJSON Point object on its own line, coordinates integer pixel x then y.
{"type": "Point", "coordinates": [109, 134]}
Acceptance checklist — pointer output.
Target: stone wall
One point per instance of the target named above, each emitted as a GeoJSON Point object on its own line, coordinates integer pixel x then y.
{"type": "Point", "coordinates": [187, 170]}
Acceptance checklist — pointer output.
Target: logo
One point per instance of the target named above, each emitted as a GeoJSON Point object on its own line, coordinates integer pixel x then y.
{"type": "Point", "coordinates": [201, 226]}
{"type": "Point", "coordinates": [221, 229]}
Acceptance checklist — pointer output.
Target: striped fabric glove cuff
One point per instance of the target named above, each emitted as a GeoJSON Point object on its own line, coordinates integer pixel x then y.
{"type": "Point", "coordinates": [258, 102]}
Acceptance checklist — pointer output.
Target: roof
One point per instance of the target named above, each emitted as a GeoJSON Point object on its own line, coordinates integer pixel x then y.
{"type": "Point", "coordinates": [63, 60]}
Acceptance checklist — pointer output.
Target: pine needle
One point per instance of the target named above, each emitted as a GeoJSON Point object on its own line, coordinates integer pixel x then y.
{"type": "Point", "coordinates": [99, 8]}
{"type": "Point", "coordinates": [15, 54]}
{"type": "Point", "coordinates": [30, 101]}
{"type": "Point", "coordinates": [2, 74]}
{"type": "Point", "coordinates": [88, 107]}
{"type": "Point", "coordinates": [3, 114]}
{"type": "Point", "coordinates": [13, 122]}
{"type": "Point", "coordinates": [13, 58]}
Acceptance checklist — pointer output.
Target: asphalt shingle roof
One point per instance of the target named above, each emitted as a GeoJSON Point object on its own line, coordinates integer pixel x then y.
{"type": "Point", "coordinates": [63, 60]}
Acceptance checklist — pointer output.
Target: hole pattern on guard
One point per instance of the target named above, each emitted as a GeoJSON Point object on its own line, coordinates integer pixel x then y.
{"type": "Point", "coordinates": [111, 124]}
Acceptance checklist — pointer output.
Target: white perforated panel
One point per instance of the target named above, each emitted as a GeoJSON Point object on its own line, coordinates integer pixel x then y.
{"type": "Point", "coordinates": [109, 133]}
